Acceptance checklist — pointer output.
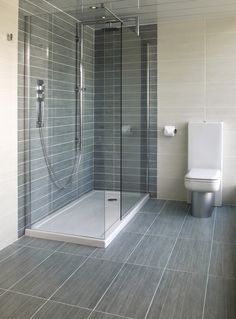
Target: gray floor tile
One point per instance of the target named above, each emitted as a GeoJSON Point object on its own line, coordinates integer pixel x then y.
{"type": "Point", "coordinates": [39, 243]}
{"type": "Point", "coordinates": [131, 292]}
{"type": "Point", "coordinates": [166, 226]}
{"type": "Point", "coordinates": [102, 315]}
{"type": "Point", "coordinates": [54, 310]}
{"type": "Point", "coordinates": [8, 251]}
{"type": "Point", "coordinates": [140, 223]}
{"type": "Point", "coordinates": [225, 228]}
{"type": "Point", "coordinates": [120, 249]}
{"type": "Point", "coordinates": [18, 265]}
{"type": "Point", "coordinates": [198, 228]}
{"type": "Point", "coordinates": [152, 251]}
{"type": "Point", "coordinates": [170, 220]}
{"type": "Point", "coordinates": [220, 299]}
{"type": "Point", "coordinates": [223, 260]}
{"type": "Point", "coordinates": [88, 284]}
{"type": "Point", "coordinates": [15, 306]}
{"type": "Point", "coordinates": [190, 255]}
{"type": "Point", "coordinates": [153, 206]}
{"type": "Point", "coordinates": [49, 276]}
{"type": "Point", "coordinates": [175, 209]}
{"type": "Point", "coordinates": [77, 249]}
{"type": "Point", "coordinates": [179, 296]}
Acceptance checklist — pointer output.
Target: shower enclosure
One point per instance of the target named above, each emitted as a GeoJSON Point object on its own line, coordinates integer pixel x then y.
{"type": "Point", "coordinates": [84, 133]}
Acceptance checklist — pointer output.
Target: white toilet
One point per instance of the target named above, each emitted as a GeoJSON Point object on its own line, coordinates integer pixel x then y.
{"type": "Point", "coordinates": [205, 163]}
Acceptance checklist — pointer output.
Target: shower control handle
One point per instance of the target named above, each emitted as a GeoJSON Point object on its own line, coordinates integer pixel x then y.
{"type": "Point", "coordinates": [80, 89]}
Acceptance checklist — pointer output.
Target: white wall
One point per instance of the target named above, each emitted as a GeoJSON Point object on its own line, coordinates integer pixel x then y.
{"type": "Point", "coordinates": [8, 122]}
{"type": "Point", "coordinates": [197, 81]}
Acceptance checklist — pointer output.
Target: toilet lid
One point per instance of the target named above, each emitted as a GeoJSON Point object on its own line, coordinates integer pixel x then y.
{"type": "Point", "coordinates": [205, 174]}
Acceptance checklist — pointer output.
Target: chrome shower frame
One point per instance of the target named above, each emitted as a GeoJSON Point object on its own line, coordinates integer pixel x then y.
{"type": "Point", "coordinates": [123, 20]}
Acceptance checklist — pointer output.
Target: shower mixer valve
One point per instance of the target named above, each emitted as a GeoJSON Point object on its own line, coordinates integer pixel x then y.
{"type": "Point", "coordinates": [40, 94]}
{"type": "Point", "coordinates": [40, 91]}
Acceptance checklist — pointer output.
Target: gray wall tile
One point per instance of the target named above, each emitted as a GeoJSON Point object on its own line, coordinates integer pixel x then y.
{"type": "Point", "coordinates": [107, 57]}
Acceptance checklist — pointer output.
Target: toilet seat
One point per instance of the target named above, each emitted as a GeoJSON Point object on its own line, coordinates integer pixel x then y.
{"type": "Point", "coordinates": [203, 180]}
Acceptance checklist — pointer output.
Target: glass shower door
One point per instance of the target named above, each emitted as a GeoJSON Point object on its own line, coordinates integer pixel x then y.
{"type": "Point", "coordinates": [107, 112]}
{"type": "Point", "coordinates": [37, 74]}
{"type": "Point", "coordinates": [134, 162]}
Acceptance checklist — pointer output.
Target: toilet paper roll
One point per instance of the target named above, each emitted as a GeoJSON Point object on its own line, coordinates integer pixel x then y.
{"type": "Point", "coordinates": [170, 130]}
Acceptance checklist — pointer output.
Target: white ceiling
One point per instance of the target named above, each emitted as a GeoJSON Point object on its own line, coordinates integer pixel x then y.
{"type": "Point", "coordinates": [152, 11]}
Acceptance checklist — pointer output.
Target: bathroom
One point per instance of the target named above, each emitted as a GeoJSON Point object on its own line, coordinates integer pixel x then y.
{"type": "Point", "coordinates": [118, 133]}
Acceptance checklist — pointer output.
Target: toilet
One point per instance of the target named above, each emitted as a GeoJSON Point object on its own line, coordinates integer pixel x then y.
{"type": "Point", "coordinates": [203, 180]}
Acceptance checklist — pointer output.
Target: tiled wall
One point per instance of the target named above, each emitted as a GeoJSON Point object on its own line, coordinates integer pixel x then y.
{"type": "Point", "coordinates": [52, 58]}
{"type": "Point", "coordinates": [134, 109]}
{"type": "Point", "coordinates": [197, 82]}
{"type": "Point", "coordinates": [8, 123]}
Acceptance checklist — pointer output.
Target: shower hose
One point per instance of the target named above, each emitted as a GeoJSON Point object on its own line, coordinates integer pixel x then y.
{"type": "Point", "coordinates": [76, 163]}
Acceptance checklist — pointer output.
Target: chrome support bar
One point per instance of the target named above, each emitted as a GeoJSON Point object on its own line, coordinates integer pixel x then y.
{"type": "Point", "coordinates": [111, 13]}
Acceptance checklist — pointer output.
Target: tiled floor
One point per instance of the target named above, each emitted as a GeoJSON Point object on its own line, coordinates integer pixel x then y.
{"type": "Point", "coordinates": [164, 265]}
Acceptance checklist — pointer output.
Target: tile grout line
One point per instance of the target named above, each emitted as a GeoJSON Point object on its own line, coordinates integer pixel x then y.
{"type": "Point", "coordinates": [171, 237]}
{"type": "Point", "coordinates": [115, 315]}
{"type": "Point", "coordinates": [37, 248]}
{"type": "Point", "coordinates": [222, 277]}
{"type": "Point", "coordinates": [209, 264]}
{"type": "Point", "coordinates": [64, 282]}
{"type": "Point", "coordinates": [125, 262]}
{"type": "Point", "coordinates": [15, 283]}
{"type": "Point", "coordinates": [45, 299]}
{"type": "Point", "coordinates": [224, 243]}
{"type": "Point", "coordinates": [73, 254]}
{"type": "Point", "coordinates": [165, 268]}
{"type": "Point", "coordinates": [25, 294]}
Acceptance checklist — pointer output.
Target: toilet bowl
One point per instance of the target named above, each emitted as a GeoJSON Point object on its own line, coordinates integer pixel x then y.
{"type": "Point", "coordinates": [205, 163]}
{"type": "Point", "coordinates": [203, 180]}
{"type": "Point", "coordinates": [203, 184]}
